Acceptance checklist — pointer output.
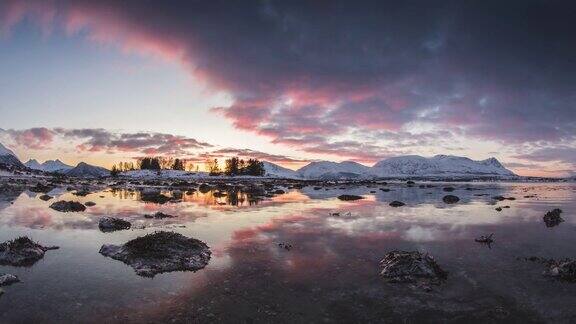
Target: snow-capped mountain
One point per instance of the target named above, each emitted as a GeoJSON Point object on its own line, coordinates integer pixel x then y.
{"type": "Point", "coordinates": [48, 166]}
{"type": "Point", "coordinates": [9, 159]}
{"type": "Point", "coordinates": [439, 165]}
{"type": "Point", "coordinates": [276, 171]}
{"type": "Point", "coordinates": [334, 170]}
{"type": "Point", "coordinates": [85, 170]}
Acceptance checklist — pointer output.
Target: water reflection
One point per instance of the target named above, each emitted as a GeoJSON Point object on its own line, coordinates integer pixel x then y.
{"type": "Point", "coordinates": [331, 272]}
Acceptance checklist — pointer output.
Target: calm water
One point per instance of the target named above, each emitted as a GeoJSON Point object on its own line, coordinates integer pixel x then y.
{"type": "Point", "coordinates": [330, 275]}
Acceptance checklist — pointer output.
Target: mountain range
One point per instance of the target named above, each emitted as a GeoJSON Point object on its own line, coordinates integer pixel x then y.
{"type": "Point", "coordinates": [402, 166]}
{"type": "Point", "coordinates": [9, 160]}
{"type": "Point", "coordinates": [439, 166]}
{"type": "Point", "coordinates": [48, 166]}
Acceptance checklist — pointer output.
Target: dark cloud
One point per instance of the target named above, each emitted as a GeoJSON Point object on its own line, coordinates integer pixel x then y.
{"type": "Point", "coordinates": [496, 70]}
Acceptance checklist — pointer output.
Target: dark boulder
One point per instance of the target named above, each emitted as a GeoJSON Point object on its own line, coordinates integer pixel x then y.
{"type": "Point", "coordinates": [409, 267]}
{"type": "Point", "coordinates": [160, 252]}
{"type": "Point", "coordinates": [22, 251]}
{"type": "Point", "coordinates": [450, 199]}
{"type": "Point", "coordinates": [350, 197]}
{"type": "Point", "coordinates": [553, 218]}
{"type": "Point", "coordinates": [111, 224]}
{"type": "Point", "coordinates": [68, 206]}
{"type": "Point", "coordinates": [397, 203]}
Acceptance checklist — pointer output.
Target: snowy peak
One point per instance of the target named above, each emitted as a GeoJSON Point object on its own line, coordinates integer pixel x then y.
{"type": "Point", "coordinates": [48, 166]}
{"type": "Point", "coordinates": [85, 170]}
{"type": "Point", "coordinates": [439, 165]}
{"type": "Point", "coordinates": [276, 171]}
{"type": "Point", "coordinates": [55, 166]}
{"type": "Point", "coordinates": [334, 170]}
{"type": "Point", "coordinates": [33, 164]}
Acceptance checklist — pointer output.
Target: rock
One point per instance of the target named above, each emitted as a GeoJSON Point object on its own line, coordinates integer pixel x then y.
{"type": "Point", "coordinates": [279, 192]}
{"type": "Point", "coordinates": [563, 270]}
{"type": "Point", "coordinates": [154, 197]}
{"type": "Point", "coordinates": [285, 246]}
{"type": "Point", "coordinates": [160, 252]}
{"type": "Point", "coordinates": [552, 218]}
{"type": "Point", "coordinates": [82, 193]}
{"type": "Point", "coordinates": [486, 239]}
{"type": "Point", "coordinates": [500, 198]}
{"type": "Point", "coordinates": [45, 197]}
{"type": "Point", "coordinates": [41, 188]}
{"type": "Point", "coordinates": [90, 204]}
{"type": "Point", "coordinates": [397, 203]}
{"type": "Point", "coordinates": [350, 197]}
{"type": "Point", "coordinates": [498, 208]}
{"type": "Point", "coordinates": [204, 188]}
{"type": "Point", "coordinates": [450, 199]}
{"type": "Point", "coordinates": [111, 224]}
{"type": "Point", "coordinates": [68, 206]}
{"type": "Point", "coordinates": [22, 251]}
{"type": "Point", "coordinates": [158, 215]}
{"type": "Point", "coordinates": [7, 279]}
{"type": "Point", "coordinates": [407, 267]}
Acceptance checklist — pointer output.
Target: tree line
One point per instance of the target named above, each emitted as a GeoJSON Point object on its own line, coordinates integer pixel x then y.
{"type": "Point", "coordinates": [233, 166]}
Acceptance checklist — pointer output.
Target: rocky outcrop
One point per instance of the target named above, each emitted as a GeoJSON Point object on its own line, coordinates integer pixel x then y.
{"type": "Point", "coordinates": [553, 218]}
{"type": "Point", "coordinates": [22, 251]}
{"type": "Point", "coordinates": [160, 252]}
{"type": "Point", "coordinates": [411, 267]}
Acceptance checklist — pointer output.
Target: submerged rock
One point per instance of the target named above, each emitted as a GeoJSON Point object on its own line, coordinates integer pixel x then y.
{"type": "Point", "coordinates": [498, 208]}
{"type": "Point", "coordinates": [450, 199]}
{"type": "Point", "coordinates": [68, 206]}
{"type": "Point", "coordinates": [7, 279]}
{"type": "Point", "coordinates": [90, 204]}
{"type": "Point", "coordinates": [158, 215]}
{"type": "Point", "coordinates": [397, 203]}
{"type": "Point", "coordinates": [111, 224]}
{"type": "Point", "coordinates": [160, 252]}
{"type": "Point", "coordinates": [22, 251]}
{"type": "Point", "coordinates": [448, 189]}
{"type": "Point", "coordinates": [563, 270]}
{"type": "Point", "coordinates": [553, 218]}
{"type": "Point", "coordinates": [350, 197]}
{"type": "Point", "coordinates": [411, 266]}
{"type": "Point", "coordinates": [486, 239]}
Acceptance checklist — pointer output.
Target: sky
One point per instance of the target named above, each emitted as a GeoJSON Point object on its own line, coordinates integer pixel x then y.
{"type": "Point", "coordinates": [290, 81]}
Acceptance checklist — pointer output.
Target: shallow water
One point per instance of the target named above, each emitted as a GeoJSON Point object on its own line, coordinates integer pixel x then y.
{"type": "Point", "coordinates": [330, 275]}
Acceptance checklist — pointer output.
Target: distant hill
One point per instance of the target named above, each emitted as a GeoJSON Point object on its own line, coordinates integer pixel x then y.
{"type": "Point", "coordinates": [48, 166]}
{"type": "Point", "coordinates": [276, 171]}
{"type": "Point", "coordinates": [333, 170]}
{"type": "Point", "coordinates": [85, 170]}
{"type": "Point", "coordinates": [439, 165]}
